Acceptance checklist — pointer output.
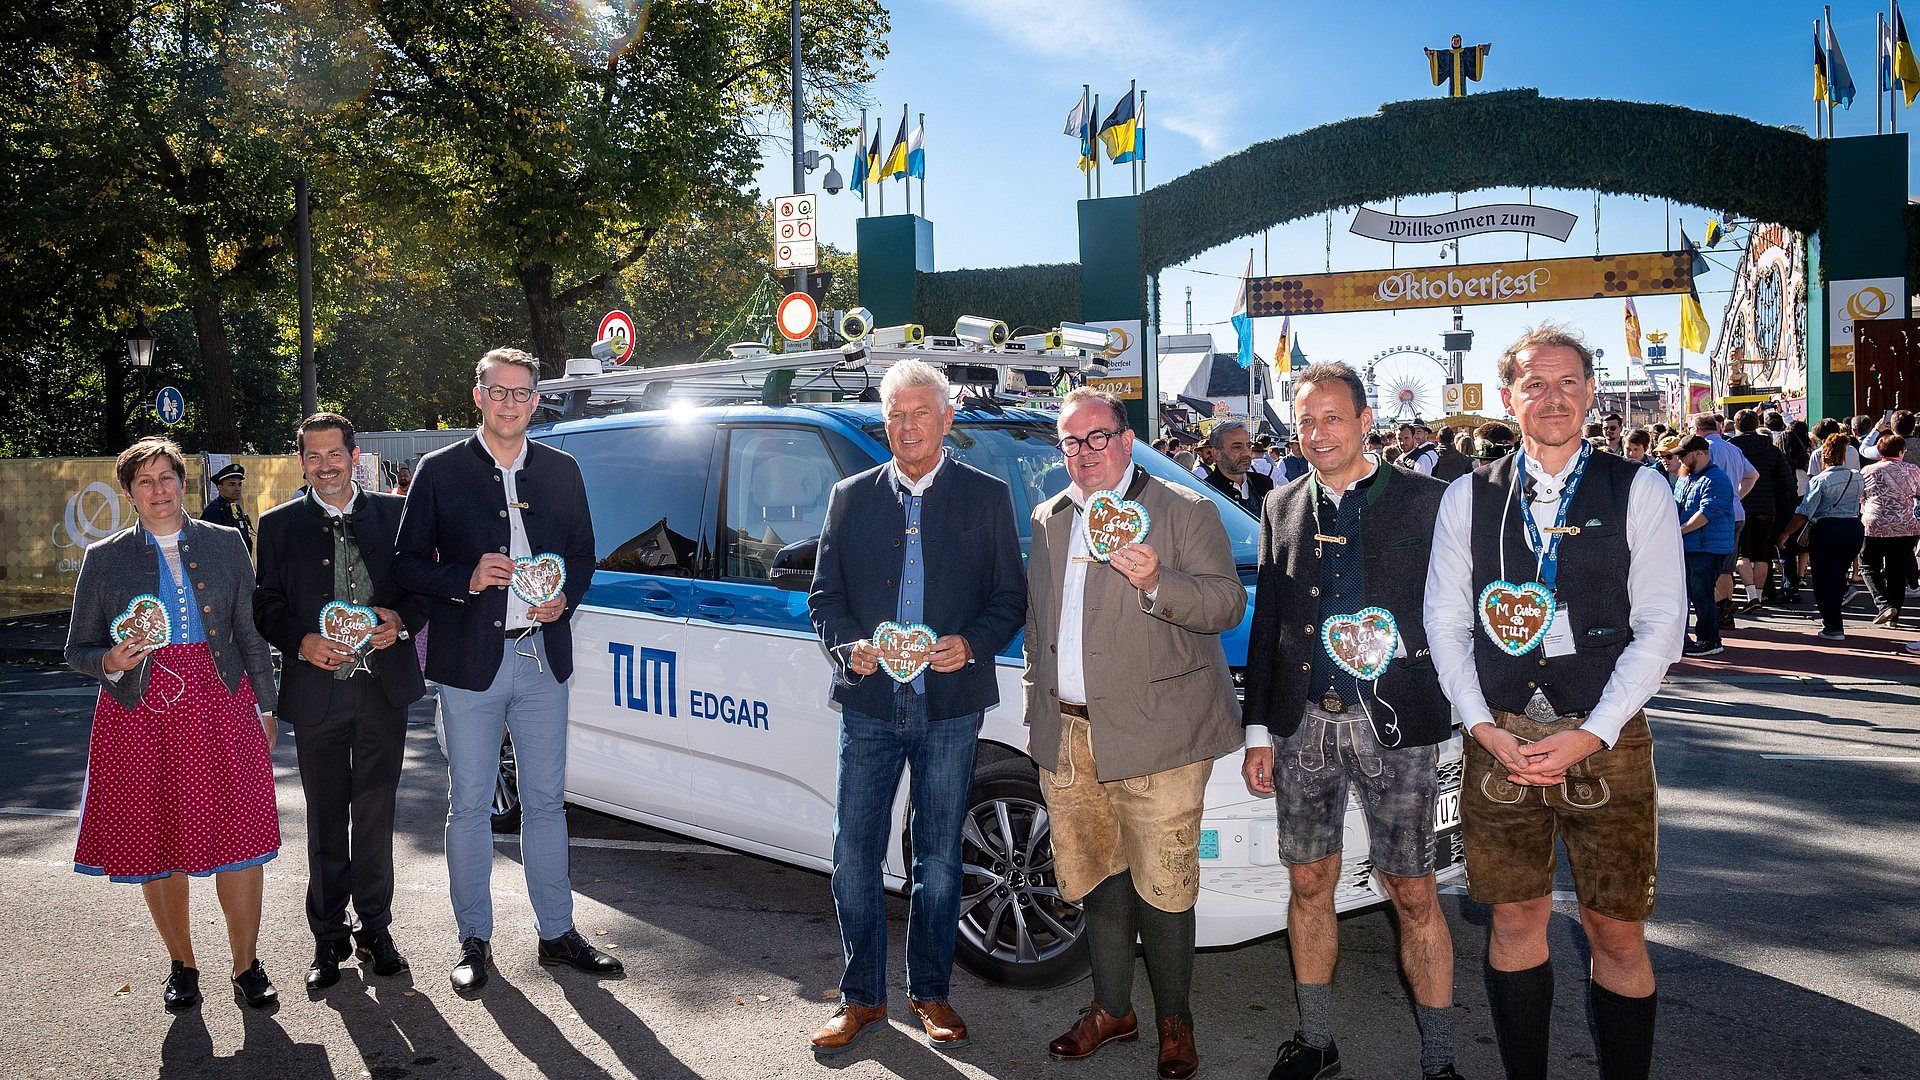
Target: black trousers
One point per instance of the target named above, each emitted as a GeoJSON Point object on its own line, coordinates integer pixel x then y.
{"type": "Point", "coordinates": [350, 748]}
{"type": "Point", "coordinates": [1887, 563]}
{"type": "Point", "coordinates": [1834, 543]}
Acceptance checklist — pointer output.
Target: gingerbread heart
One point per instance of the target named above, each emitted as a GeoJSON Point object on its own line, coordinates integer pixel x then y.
{"type": "Point", "coordinates": [1113, 522]}
{"type": "Point", "coordinates": [905, 649]}
{"type": "Point", "coordinates": [145, 622]}
{"type": "Point", "coordinates": [539, 579]}
{"type": "Point", "coordinates": [348, 624]}
{"type": "Point", "coordinates": [1363, 643]}
{"type": "Point", "coordinates": [1516, 617]}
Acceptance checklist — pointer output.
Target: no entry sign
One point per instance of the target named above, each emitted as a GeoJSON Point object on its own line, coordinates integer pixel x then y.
{"type": "Point", "coordinates": [797, 315]}
{"type": "Point", "coordinates": [617, 325]}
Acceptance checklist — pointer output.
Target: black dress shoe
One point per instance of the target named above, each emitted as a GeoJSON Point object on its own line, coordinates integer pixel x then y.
{"type": "Point", "coordinates": [183, 987]}
{"type": "Point", "coordinates": [572, 949]}
{"type": "Point", "coordinates": [254, 985]}
{"type": "Point", "coordinates": [471, 972]}
{"type": "Point", "coordinates": [377, 949]}
{"type": "Point", "coordinates": [325, 969]}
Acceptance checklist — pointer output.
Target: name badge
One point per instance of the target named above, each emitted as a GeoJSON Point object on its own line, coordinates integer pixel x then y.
{"type": "Point", "coordinates": [1560, 634]}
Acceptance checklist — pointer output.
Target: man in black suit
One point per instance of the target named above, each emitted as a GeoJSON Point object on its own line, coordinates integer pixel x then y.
{"type": "Point", "coordinates": [347, 705]}
{"type": "Point", "coordinates": [1232, 473]}
{"type": "Point", "coordinates": [921, 539]}
{"type": "Point", "coordinates": [225, 509]}
{"type": "Point", "coordinates": [502, 662]}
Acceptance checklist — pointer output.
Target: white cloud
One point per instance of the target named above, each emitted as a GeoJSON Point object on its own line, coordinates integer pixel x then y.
{"type": "Point", "coordinates": [1186, 74]}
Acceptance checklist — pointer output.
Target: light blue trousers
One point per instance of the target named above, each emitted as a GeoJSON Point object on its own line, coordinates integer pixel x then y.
{"type": "Point", "coordinates": [526, 701]}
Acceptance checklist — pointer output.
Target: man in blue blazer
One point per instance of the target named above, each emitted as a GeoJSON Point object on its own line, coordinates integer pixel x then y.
{"type": "Point", "coordinates": [501, 661]}
{"type": "Point", "coordinates": [919, 540]}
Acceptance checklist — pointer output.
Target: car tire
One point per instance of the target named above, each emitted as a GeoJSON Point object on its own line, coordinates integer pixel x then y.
{"type": "Point", "coordinates": [1015, 930]}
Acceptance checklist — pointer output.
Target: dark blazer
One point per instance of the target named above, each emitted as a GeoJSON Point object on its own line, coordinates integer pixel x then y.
{"type": "Point", "coordinates": [1778, 491]}
{"type": "Point", "coordinates": [1396, 533]}
{"type": "Point", "coordinates": [975, 585]}
{"type": "Point", "coordinates": [1257, 488]}
{"type": "Point", "coordinates": [222, 512]}
{"type": "Point", "coordinates": [456, 511]}
{"type": "Point", "coordinates": [124, 565]}
{"type": "Point", "coordinates": [295, 581]}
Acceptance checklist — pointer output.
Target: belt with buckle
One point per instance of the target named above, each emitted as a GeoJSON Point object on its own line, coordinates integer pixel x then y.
{"type": "Point", "coordinates": [521, 633]}
{"type": "Point", "coordinates": [1330, 703]}
{"type": "Point", "coordinates": [1069, 708]}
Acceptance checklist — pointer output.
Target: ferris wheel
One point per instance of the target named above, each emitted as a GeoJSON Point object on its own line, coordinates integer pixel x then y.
{"type": "Point", "coordinates": [1407, 383]}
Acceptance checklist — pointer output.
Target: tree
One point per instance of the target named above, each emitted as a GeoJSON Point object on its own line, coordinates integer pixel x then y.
{"type": "Point", "coordinates": [557, 147]}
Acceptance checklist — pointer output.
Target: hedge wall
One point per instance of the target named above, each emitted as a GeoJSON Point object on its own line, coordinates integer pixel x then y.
{"type": "Point", "coordinates": [1038, 296]}
{"type": "Point", "coordinates": [1507, 138]}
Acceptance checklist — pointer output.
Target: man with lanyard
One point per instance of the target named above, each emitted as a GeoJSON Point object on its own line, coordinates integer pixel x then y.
{"type": "Point", "coordinates": [918, 540]}
{"type": "Point", "coordinates": [225, 509]}
{"type": "Point", "coordinates": [346, 702]}
{"type": "Point", "coordinates": [1552, 546]}
{"type": "Point", "coordinates": [1349, 546]}
{"type": "Point", "coordinates": [501, 659]}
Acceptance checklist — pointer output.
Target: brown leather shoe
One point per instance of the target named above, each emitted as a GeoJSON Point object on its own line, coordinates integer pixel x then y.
{"type": "Point", "coordinates": [945, 1030]}
{"type": "Point", "coordinates": [1095, 1029]}
{"type": "Point", "coordinates": [848, 1023]}
{"type": "Point", "coordinates": [1178, 1058]}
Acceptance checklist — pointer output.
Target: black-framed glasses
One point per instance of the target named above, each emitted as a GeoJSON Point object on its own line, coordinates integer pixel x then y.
{"type": "Point", "coordinates": [520, 394]}
{"type": "Point", "coordinates": [1096, 440]}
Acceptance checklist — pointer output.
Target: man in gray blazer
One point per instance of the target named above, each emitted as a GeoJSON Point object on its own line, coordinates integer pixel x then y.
{"type": "Point", "coordinates": [1125, 655]}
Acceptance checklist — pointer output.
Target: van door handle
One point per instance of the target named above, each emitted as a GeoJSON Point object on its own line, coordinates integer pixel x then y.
{"type": "Point", "coordinates": [716, 607]}
{"type": "Point", "coordinates": [657, 602]}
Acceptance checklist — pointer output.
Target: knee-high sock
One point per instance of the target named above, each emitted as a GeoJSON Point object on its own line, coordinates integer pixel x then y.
{"type": "Point", "coordinates": [1622, 1033]}
{"type": "Point", "coordinates": [1166, 938]}
{"type": "Point", "coordinates": [1522, 1005]}
{"type": "Point", "coordinates": [1110, 936]}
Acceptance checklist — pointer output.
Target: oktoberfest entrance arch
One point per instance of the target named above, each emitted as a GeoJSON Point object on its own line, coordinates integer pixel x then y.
{"type": "Point", "coordinates": [1849, 196]}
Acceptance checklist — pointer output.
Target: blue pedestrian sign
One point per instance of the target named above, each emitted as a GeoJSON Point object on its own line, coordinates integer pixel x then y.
{"type": "Point", "coordinates": [171, 405]}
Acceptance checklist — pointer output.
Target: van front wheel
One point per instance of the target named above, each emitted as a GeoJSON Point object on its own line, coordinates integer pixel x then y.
{"type": "Point", "coordinates": [1015, 929]}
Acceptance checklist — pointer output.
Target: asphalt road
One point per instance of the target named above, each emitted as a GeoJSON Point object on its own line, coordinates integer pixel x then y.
{"type": "Point", "coordinates": [1785, 939]}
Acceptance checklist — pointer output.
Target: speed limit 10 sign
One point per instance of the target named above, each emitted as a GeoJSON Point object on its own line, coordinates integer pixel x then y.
{"type": "Point", "coordinates": [617, 326]}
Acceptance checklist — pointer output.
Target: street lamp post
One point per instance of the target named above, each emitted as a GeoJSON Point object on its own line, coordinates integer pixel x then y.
{"type": "Point", "coordinates": [140, 351]}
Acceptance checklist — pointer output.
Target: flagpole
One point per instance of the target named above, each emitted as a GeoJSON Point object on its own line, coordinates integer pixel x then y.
{"type": "Point", "coordinates": [860, 148]}
{"type": "Point", "coordinates": [879, 182]}
{"type": "Point", "coordinates": [905, 181]}
{"type": "Point", "coordinates": [922, 126]}
{"type": "Point", "coordinates": [1093, 142]}
{"type": "Point", "coordinates": [1880, 57]}
{"type": "Point", "coordinates": [1140, 157]}
{"type": "Point", "coordinates": [1086, 127]}
{"type": "Point", "coordinates": [1827, 44]}
{"type": "Point", "coordinates": [1133, 173]}
{"type": "Point", "coordinates": [1893, 67]}
{"type": "Point", "coordinates": [1820, 102]}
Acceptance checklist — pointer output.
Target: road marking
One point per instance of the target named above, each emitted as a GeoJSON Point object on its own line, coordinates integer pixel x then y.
{"type": "Point", "coordinates": [629, 845]}
{"type": "Point", "coordinates": [38, 811]}
{"type": "Point", "coordinates": [1835, 757]}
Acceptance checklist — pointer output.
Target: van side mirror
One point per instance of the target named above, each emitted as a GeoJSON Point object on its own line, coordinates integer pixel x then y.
{"type": "Point", "coordinates": [793, 565]}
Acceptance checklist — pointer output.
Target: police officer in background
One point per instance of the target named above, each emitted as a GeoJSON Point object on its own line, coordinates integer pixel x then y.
{"type": "Point", "coordinates": [225, 509]}
{"type": "Point", "coordinates": [1556, 545]}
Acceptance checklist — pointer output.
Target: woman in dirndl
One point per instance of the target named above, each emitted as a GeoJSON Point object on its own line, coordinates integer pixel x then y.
{"type": "Point", "coordinates": [179, 775]}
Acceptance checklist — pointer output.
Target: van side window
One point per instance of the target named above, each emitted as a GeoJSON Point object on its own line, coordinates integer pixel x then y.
{"type": "Point", "coordinates": [776, 490]}
{"type": "Point", "coordinates": [647, 486]}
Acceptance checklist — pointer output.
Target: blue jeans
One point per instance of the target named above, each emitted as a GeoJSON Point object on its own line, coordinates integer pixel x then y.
{"type": "Point", "coordinates": [1703, 571]}
{"type": "Point", "coordinates": [525, 699]}
{"type": "Point", "coordinates": [872, 753]}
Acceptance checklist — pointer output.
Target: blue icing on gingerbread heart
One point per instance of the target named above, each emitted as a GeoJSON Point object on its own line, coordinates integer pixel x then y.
{"type": "Point", "coordinates": [1112, 522]}
{"type": "Point", "coordinates": [145, 620]}
{"type": "Point", "coordinates": [348, 624]}
{"type": "Point", "coordinates": [540, 578]}
{"type": "Point", "coordinates": [905, 649]}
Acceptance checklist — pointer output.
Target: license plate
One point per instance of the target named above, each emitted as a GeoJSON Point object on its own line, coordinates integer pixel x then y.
{"type": "Point", "coordinates": [1446, 810]}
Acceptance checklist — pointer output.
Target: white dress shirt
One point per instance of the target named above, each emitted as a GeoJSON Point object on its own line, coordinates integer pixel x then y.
{"type": "Point", "coordinates": [920, 486]}
{"type": "Point", "coordinates": [1656, 598]}
{"type": "Point", "coordinates": [517, 546]}
{"type": "Point", "coordinates": [1072, 668]}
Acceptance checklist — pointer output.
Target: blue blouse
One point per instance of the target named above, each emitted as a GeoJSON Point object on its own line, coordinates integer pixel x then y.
{"type": "Point", "coordinates": [178, 596]}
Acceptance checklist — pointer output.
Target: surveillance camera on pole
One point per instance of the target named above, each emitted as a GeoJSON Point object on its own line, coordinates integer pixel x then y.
{"type": "Point", "coordinates": [980, 330]}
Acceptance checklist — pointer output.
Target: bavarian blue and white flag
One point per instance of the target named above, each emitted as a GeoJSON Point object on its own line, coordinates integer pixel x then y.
{"type": "Point", "coordinates": [917, 151]}
{"type": "Point", "coordinates": [1242, 322]}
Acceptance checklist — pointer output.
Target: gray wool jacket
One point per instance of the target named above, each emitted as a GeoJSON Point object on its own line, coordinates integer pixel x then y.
{"type": "Point", "coordinates": [124, 565]}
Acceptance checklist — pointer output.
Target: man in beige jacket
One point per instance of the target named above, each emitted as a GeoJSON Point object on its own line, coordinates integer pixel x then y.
{"type": "Point", "coordinates": [1130, 699]}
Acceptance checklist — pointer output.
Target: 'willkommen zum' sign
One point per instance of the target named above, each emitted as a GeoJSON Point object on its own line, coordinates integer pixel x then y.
{"type": "Point", "coordinates": [1591, 277]}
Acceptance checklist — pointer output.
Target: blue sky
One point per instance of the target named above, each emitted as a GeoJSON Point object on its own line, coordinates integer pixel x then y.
{"type": "Point", "coordinates": [996, 79]}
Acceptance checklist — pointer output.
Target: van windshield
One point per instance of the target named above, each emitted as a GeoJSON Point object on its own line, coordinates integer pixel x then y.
{"type": "Point", "coordinates": [1027, 456]}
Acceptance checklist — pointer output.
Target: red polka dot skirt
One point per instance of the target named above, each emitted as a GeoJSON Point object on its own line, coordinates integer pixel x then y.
{"type": "Point", "coordinates": [182, 783]}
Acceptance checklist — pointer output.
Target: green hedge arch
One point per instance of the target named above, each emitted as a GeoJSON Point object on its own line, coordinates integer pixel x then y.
{"type": "Point", "coordinates": [1510, 138]}
{"type": "Point", "coordinates": [1039, 295]}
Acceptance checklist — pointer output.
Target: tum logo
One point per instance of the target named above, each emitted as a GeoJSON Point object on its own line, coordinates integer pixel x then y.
{"type": "Point", "coordinates": [658, 671]}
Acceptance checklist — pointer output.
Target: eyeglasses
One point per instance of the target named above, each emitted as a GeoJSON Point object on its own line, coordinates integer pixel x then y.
{"type": "Point", "coordinates": [520, 394]}
{"type": "Point", "coordinates": [1096, 440]}
{"type": "Point", "coordinates": [1668, 457]}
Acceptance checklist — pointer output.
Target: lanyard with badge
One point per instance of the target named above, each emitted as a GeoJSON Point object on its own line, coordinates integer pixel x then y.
{"type": "Point", "coordinates": [1519, 617]}
{"type": "Point", "coordinates": [1362, 643]}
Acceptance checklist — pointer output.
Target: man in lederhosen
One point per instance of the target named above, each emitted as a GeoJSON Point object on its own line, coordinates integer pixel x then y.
{"type": "Point", "coordinates": [1343, 574]}
{"type": "Point", "coordinates": [1555, 604]}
